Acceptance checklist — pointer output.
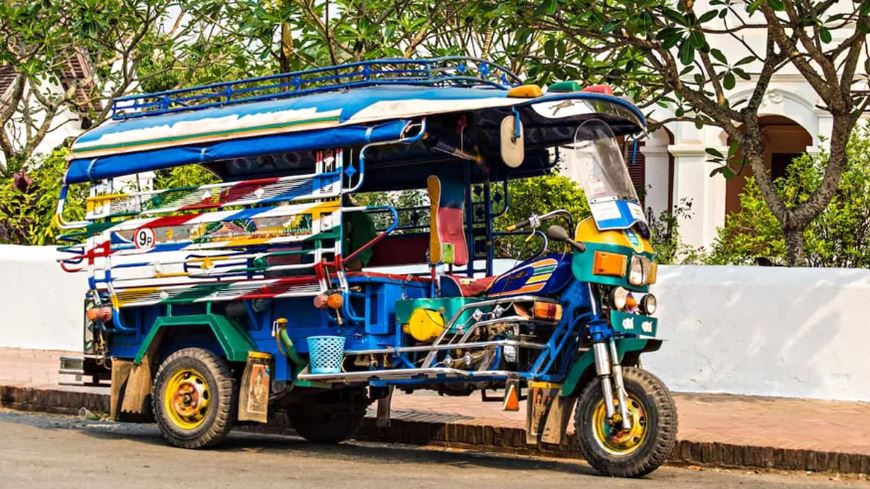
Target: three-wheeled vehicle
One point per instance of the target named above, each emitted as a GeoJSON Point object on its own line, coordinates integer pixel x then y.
{"type": "Point", "coordinates": [274, 290]}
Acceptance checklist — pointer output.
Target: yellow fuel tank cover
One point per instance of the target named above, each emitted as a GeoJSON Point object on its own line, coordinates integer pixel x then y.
{"type": "Point", "coordinates": [424, 324]}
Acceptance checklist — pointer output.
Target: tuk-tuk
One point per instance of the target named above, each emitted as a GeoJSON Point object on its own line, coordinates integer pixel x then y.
{"type": "Point", "coordinates": [285, 288]}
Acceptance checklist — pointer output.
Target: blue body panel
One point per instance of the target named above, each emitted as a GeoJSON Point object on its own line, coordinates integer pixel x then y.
{"type": "Point", "coordinates": [91, 169]}
{"type": "Point", "coordinates": [544, 275]}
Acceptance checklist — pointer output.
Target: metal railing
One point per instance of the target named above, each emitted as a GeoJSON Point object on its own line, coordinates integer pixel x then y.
{"type": "Point", "coordinates": [452, 70]}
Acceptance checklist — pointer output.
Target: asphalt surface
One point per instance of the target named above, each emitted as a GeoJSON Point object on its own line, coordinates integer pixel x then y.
{"type": "Point", "coordinates": [41, 451]}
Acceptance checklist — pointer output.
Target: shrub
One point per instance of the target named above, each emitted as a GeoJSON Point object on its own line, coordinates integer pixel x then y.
{"type": "Point", "coordinates": [28, 200]}
{"type": "Point", "coordinates": [838, 237]}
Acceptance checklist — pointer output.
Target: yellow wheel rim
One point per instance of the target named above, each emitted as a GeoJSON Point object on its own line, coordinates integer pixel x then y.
{"type": "Point", "coordinates": [610, 435]}
{"type": "Point", "coordinates": [186, 399]}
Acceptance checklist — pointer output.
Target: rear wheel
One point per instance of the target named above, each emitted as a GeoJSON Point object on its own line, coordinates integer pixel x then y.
{"type": "Point", "coordinates": [193, 398]}
{"type": "Point", "coordinates": [327, 428]}
{"type": "Point", "coordinates": [330, 417]}
{"type": "Point", "coordinates": [642, 448]}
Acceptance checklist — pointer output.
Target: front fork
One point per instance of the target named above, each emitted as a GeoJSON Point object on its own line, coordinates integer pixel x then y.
{"type": "Point", "coordinates": [609, 372]}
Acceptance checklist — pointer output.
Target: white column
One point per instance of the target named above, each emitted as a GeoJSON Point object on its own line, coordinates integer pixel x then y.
{"type": "Point", "coordinates": [826, 128]}
{"type": "Point", "coordinates": [693, 183]}
{"type": "Point", "coordinates": [656, 173]}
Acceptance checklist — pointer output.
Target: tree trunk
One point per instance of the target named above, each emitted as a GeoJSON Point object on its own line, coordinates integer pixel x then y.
{"type": "Point", "coordinates": [795, 255]}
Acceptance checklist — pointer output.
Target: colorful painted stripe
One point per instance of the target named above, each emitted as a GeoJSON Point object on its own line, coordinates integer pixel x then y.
{"type": "Point", "coordinates": [205, 129]}
{"type": "Point", "coordinates": [223, 291]}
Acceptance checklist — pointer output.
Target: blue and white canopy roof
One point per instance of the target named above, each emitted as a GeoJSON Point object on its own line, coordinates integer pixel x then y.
{"type": "Point", "coordinates": [328, 119]}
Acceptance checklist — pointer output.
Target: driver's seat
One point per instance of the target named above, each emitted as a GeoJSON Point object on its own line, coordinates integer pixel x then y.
{"type": "Point", "coordinates": [447, 243]}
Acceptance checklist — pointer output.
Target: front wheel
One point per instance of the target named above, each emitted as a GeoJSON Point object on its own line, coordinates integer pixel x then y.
{"type": "Point", "coordinates": [639, 450]}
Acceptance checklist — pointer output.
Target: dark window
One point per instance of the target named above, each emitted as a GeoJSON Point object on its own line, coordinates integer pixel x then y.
{"type": "Point", "coordinates": [636, 169]}
{"type": "Point", "coordinates": [779, 162]}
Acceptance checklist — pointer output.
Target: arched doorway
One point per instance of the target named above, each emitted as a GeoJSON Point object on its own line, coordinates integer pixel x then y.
{"type": "Point", "coordinates": [784, 140]}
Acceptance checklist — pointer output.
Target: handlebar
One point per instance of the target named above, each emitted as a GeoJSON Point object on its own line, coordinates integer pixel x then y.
{"type": "Point", "coordinates": [534, 221]}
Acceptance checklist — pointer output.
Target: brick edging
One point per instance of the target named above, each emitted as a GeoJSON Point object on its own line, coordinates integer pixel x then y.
{"type": "Point", "coordinates": [492, 438]}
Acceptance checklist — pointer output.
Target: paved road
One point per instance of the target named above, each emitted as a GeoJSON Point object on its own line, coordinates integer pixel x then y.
{"type": "Point", "coordinates": [41, 451]}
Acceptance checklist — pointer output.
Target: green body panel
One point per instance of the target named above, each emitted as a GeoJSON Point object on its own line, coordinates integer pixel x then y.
{"type": "Point", "coordinates": [582, 266]}
{"type": "Point", "coordinates": [233, 339]}
{"type": "Point", "coordinates": [587, 360]}
{"type": "Point", "coordinates": [627, 323]}
{"type": "Point", "coordinates": [448, 306]}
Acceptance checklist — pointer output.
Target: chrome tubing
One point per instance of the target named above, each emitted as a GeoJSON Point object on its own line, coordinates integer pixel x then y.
{"type": "Point", "coordinates": [400, 373]}
{"type": "Point", "coordinates": [430, 359]}
{"type": "Point", "coordinates": [602, 369]}
{"type": "Point", "coordinates": [472, 345]}
{"type": "Point", "coordinates": [619, 385]}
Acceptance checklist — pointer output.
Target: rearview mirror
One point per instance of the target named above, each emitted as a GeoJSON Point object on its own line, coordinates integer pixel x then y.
{"type": "Point", "coordinates": [513, 145]}
{"type": "Point", "coordinates": [558, 233]}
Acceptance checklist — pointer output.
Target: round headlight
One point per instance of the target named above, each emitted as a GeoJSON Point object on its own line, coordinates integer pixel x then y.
{"type": "Point", "coordinates": [618, 298]}
{"type": "Point", "coordinates": [635, 271]}
{"type": "Point", "coordinates": [649, 304]}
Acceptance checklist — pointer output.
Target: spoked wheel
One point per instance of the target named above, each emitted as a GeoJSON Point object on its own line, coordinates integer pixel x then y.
{"type": "Point", "coordinates": [193, 398]}
{"type": "Point", "coordinates": [639, 450]}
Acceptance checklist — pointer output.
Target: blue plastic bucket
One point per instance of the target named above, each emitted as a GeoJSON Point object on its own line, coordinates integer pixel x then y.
{"type": "Point", "coordinates": [326, 354]}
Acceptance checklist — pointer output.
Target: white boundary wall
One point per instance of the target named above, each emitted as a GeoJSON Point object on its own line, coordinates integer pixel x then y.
{"type": "Point", "coordinates": [40, 304]}
{"type": "Point", "coordinates": [765, 331]}
{"type": "Point", "coordinates": [742, 330]}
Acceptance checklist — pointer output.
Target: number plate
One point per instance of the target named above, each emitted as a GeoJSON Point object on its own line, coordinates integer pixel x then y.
{"type": "Point", "coordinates": [623, 322]}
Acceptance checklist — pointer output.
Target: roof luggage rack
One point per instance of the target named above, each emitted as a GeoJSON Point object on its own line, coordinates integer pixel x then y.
{"type": "Point", "coordinates": [452, 70]}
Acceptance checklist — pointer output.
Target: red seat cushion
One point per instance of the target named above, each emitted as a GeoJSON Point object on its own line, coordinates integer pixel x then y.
{"type": "Point", "coordinates": [400, 249]}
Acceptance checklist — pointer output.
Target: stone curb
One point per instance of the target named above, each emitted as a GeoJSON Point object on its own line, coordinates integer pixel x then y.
{"type": "Point", "coordinates": [489, 438]}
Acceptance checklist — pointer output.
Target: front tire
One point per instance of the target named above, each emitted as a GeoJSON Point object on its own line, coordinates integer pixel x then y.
{"type": "Point", "coordinates": [643, 448]}
{"type": "Point", "coordinates": [193, 398]}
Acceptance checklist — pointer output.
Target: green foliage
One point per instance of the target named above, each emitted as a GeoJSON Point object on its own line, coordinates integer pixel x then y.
{"type": "Point", "coordinates": [838, 237]}
{"type": "Point", "coordinates": [538, 195]}
{"type": "Point", "coordinates": [184, 176]}
{"type": "Point", "coordinates": [28, 201]}
{"type": "Point", "coordinates": [665, 239]}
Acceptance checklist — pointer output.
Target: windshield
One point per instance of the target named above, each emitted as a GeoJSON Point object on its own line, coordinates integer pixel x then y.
{"type": "Point", "coordinates": [596, 161]}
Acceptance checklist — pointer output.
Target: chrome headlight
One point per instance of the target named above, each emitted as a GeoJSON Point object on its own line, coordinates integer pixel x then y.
{"type": "Point", "coordinates": [649, 304]}
{"type": "Point", "coordinates": [641, 271]}
{"type": "Point", "coordinates": [619, 298]}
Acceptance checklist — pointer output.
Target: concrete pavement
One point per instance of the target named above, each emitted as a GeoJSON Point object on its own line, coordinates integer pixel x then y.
{"type": "Point", "coordinates": [38, 451]}
{"type": "Point", "coordinates": [719, 430]}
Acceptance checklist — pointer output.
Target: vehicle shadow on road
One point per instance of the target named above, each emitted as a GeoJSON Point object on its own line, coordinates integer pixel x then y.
{"type": "Point", "coordinates": [360, 452]}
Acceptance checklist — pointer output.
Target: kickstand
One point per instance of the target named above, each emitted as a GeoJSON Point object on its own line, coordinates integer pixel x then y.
{"type": "Point", "coordinates": [383, 419]}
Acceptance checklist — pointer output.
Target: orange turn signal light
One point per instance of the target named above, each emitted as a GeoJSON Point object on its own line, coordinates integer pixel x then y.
{"type": "Point", "coordinates": [549, 311]}
{"type": "Point", "coordinates": [320, 301]}
{"type": "Point", "coordinates": [334, 301]}
{"type": "Point", "coordinates": [99, 314]}
{"type": "Point", "coordinates": [612, 264]}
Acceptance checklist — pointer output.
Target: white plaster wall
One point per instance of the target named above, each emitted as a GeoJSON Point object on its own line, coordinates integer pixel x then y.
{"type": "Point", "coordinates": [40, 305]}
{"type": "Point", "coordinates": [764, 331]}
{"type": "Point", "coordinates": [742, 330]}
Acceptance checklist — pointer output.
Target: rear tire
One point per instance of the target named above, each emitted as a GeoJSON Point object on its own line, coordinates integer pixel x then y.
{"type": "Point", "coordinates": [194, 398]}
{"type": "Point", "coordinates": [642, 449]}
{"type": "Point", "coordinates": [327, 428]}
{"type": "Point", "coordinates": [330, 417]}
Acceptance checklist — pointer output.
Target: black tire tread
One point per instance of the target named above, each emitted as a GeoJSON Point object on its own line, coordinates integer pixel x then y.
{"type": "Point", "coordinates": [663, 441]}
{"type": "Point", "coordinates": [222, 421]}
{"type": "Point", "coordinates": [334, 429]}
